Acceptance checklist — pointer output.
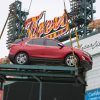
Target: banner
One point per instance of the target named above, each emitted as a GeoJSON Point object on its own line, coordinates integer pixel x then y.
{"type": "Point", "coordinates": [93, 94]}
{"type": "Point", "coordinates": [50, 28]}
{"type": "Point", "coordinates": [56, 33]}
{"type": "Point", "coordinates": [31, 25]}
{"type": "Point", "coordinates": [91, 44]}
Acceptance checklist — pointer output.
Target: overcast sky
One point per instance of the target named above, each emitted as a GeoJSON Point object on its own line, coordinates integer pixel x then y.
{"type": "Point", "coordinates": [53, 9]}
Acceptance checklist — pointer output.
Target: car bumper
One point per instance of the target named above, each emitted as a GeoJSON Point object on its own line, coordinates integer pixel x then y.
{"type": "Point", "coordinates": [86, 65]}
{"type": "Point", "coordinates": [11, 57]}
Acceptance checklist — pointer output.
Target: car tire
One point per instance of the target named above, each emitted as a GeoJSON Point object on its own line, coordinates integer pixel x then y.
{"type": "Point", "coordinates": [71, 60]}
{"type": "Point", "coordinates": [21, 58]}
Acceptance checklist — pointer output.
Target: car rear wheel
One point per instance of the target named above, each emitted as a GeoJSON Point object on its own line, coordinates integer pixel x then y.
{"type": "Point", "coordinates": [21, 58]}
{"type": "Point", "coordinates": [71, 60]}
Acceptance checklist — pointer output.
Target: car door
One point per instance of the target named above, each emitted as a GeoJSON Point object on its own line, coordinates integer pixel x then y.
{"type": "Point", "coordinates": [52, 50]}
{"type": "Point", "coordinates": [36, 47]}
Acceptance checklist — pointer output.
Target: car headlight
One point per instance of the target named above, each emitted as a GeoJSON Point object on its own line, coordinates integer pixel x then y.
{"type": "Point", "coordinates": [86, 53]}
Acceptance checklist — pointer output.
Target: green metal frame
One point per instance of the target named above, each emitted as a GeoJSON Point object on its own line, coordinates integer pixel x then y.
{"type": "Point", "coordinates": [37, 70]}
{"type": "Point", "coordinates": [82, 14]}
{"type": "Point", "coordinates": [43, 72]}
{"type": "Point", "coordinates": [39, 73]}
{"type": "Point", "coordinates": [37, 67]}
{"type": "Point", "coordinates": [16, 22]}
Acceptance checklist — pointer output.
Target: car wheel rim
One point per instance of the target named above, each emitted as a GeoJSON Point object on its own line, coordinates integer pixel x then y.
{"type": "Point", "coordinates": [21, 59]}
{"type": "Point", "coordinates": [71, 60]}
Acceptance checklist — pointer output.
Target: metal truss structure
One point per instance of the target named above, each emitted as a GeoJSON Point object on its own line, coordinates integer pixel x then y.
{"type": "Point", "coordinates": [16, 21]}
{"type": "Point", "coordinates": [40, 73]}
{"type": "Point", "coordinates": [81, 15]}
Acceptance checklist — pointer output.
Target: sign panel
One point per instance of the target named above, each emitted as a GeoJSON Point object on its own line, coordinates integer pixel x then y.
{"type": "Point", "coordinates": [93, 94]}
{"type": "Point", "coordinates": [49, 28]}
{"type": "Point", "coordinates": [90, 44]}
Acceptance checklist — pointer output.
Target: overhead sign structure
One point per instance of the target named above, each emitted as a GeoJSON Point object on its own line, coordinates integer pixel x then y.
{"type": "Point", "coordinates": [93, 94]}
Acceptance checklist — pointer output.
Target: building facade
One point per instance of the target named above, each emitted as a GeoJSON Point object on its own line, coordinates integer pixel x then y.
{"type": "Point", "coordinates": [91, 45]}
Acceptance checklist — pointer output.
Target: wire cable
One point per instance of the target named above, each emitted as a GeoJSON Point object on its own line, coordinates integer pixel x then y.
{"type": "Point", "coordinates": [29, 6]}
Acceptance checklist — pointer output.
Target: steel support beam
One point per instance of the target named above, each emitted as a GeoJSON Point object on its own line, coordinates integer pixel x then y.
{"type": "Point", "coordinates": [40, 73]}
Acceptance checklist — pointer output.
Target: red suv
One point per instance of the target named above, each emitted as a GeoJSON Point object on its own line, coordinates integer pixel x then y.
{"type": "Point", "coordinates": [48, 50]}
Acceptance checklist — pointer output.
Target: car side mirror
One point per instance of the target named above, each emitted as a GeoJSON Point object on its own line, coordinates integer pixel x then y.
{"type": "Point", "coordinates": [60, 45]}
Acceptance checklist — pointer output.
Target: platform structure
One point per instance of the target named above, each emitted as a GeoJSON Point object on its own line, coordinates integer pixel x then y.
{"type": "Point", "coordinates": [12, 72]}
{"type": "Point", "coordinates": [40, 74]}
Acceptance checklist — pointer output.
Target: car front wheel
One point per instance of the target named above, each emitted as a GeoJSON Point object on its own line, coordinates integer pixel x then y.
{"type": "Point", "coordinates": [21, 58]}
{"type": "Point", "coordinates": [71, 60]}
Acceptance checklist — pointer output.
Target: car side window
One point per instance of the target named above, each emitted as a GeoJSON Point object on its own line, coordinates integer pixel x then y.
{"type": "Point", "coordinates": [36, 41]}
{"type": "Point", "coordinates": [51, 43]}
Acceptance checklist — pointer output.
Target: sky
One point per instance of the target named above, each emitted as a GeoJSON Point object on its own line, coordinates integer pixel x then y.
{"type": "Point", "coordinates": [53, 9]}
